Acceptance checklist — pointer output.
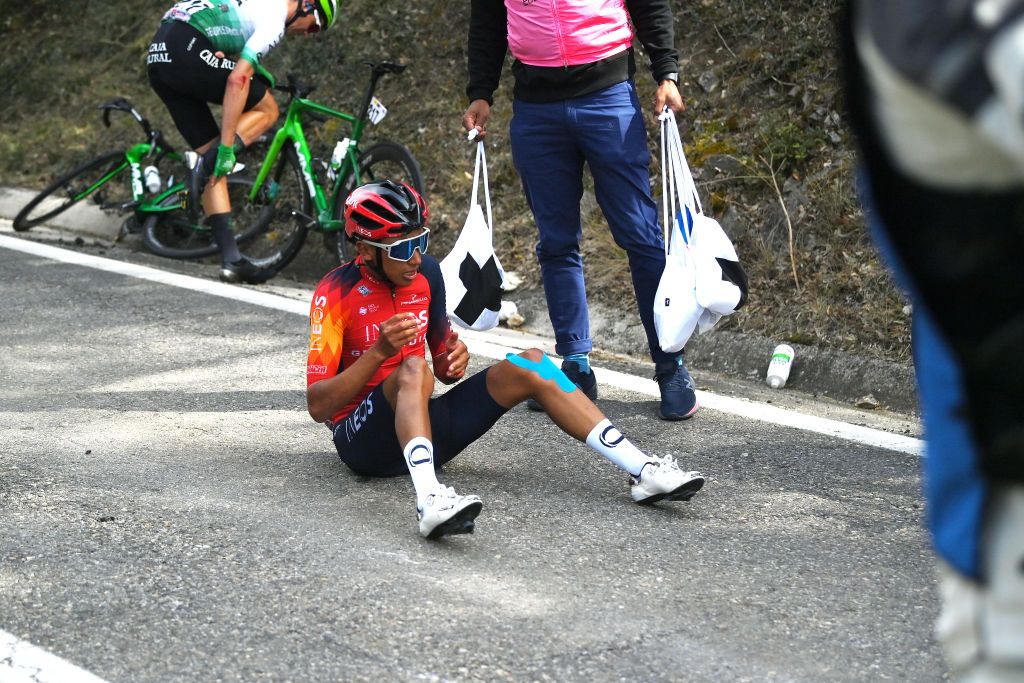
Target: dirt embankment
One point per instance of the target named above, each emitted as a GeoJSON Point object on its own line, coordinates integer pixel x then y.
{"type": "Point", "coordinates": [763, 130]}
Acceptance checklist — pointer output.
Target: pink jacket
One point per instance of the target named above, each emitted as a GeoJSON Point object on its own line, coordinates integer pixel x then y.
{"type": "Point", "coordinates": [566, 32]}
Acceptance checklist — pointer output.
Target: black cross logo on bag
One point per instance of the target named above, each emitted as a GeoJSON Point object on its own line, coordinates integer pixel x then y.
{"type": "Point", "coordinates": [483, 288]}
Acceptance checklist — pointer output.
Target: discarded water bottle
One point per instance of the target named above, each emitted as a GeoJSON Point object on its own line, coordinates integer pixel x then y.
{"type": "Point", "coordinates": [778, 367]}
{"type": "Point", "coordinates": [151, 176]}
{"type": "Point", "coordinates": [337, 157]}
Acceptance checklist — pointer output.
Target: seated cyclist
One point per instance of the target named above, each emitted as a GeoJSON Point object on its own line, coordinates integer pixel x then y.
{"type": "Point", "coordinates": [372, 321]}
{"type": "Point", "coordinates": [188, 70]}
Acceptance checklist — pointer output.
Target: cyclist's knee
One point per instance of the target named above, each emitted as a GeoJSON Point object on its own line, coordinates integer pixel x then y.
{"type": "Point", "coordinates": [268, 107]}
{"type": "Point", "coordinates": [533, 355]}
{"type": "Point", "coordinates": [414, 374]}
{"type": "Point", "coordinates": [528, 371]}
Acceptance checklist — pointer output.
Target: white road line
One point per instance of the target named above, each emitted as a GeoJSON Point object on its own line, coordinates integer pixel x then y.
{"type": "Point", "coordinates": [493, 346]}
{"type": "Point", "coordinates": [23, 662]}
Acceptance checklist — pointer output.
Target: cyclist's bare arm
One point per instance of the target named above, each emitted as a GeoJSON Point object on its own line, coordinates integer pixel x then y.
{"type": "Point", "coordinates": [235, 94]}
{"type": "Point", "coordinates": [450, 366]}
{"type": "Point", "coordinates": [328, 396]}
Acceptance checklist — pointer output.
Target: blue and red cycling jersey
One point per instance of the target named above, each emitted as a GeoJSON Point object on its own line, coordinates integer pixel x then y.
{"type": "Point", "coordinates": [348, 307]}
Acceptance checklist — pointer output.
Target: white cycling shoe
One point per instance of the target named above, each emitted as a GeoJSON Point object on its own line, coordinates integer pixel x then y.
{"type": "Point", "coordinates": [445, 512]}
{"type": "Point", "coordinates": [661, 479]}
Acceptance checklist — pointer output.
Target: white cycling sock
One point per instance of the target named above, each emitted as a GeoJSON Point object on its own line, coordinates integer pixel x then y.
{"type": "Point", "coordinates": [609, 442]}
{"type": "Point", "coordinates": [419, 458]}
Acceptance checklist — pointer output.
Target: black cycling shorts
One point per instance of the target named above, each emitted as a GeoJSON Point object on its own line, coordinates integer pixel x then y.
{"type": "Point", "coordinates": [366, 439]}
{"type": "Point", "coordinates": [187, 75]}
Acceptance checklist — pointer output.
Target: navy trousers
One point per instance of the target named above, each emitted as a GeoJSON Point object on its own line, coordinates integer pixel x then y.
{"type": "Point", "coordinates": [550, 144]}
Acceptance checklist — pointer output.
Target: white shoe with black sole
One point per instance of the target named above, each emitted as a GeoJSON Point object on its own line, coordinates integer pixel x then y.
{"type": "Point", "coordinates": [661, 479]}
{"type": "Point", "coordinates": [446, 513]}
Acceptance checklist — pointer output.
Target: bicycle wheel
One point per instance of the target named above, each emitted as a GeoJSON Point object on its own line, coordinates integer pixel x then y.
{"type": "Point", "coordinates": [280, 219]}
{"type": "Point", "coordinates": [173, 235]}
{"type": "Point", "coordinates": [384, 160]}
{"type": "Point", "coordinates": [72, 187]}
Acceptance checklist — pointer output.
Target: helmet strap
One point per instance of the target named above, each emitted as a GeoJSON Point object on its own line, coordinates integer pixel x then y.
{"type": "Point", "coordinates": [378, 263]}
{"type": "Point", "coordinates": [376, 266]}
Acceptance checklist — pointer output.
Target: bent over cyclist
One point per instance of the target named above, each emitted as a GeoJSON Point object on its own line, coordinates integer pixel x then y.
{"type": "Point", "coordinates": [372, 322]}
{"type": "Point", "coordinates": [188, 70]}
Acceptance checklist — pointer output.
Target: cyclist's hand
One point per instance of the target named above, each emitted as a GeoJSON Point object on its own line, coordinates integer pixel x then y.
{"type": "Point", "coordinates": [225, 161]}
{"type": "Point", "coordinates": [396, 332]}
{"type": "Point", "coordinates": [457, 356]}
{"type": "Point", "coordinates": [668, 94]}
{"type": "Point", "coordinates": [476, 116]}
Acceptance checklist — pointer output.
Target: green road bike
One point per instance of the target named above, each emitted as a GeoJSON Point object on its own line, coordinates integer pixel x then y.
{"type": "Point", "coordinates": [289, 180]}
{"type": "Point", "coordinates": [130, 181]}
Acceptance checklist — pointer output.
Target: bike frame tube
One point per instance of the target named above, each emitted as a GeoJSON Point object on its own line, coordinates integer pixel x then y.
{"type": "Point", "coordinates": [292, 132]}
{"type": "Point", "coordinates": [107, 178]}
{"type": "Point", "coordinates": [134, 155]}
{"type": "Point", "coordinates": [348, 175]}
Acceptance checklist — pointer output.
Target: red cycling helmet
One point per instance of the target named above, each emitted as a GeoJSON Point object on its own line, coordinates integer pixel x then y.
{"type": "Point", "coordinates": [383, 209]}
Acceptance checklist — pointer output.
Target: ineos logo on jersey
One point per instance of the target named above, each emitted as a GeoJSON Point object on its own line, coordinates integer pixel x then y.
{"type": "Point", "coordinates": [611, 437]}
{"type": "Point", "coordinates": [316, 328]}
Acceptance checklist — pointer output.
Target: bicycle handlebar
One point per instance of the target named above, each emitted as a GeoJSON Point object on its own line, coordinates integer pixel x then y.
{"type": "Point", "coordinates": [297, 88]}
{"type": "Point", "coordinates": [156, 138]}
{"type": "Point", "coordinates": [121, 104]}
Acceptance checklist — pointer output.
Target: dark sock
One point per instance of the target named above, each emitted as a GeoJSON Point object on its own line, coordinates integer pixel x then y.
{"type": "Point", "coordinates": [220, 226]}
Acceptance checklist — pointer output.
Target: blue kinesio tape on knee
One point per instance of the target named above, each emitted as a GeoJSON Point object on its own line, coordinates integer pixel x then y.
{"type": "Point", "coordinates": [545, 368]}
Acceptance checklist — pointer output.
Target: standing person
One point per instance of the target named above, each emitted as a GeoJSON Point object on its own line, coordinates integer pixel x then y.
{"type": "Point", "coordinates": [372, 322]}
{"type": "Point", "coordinates": [935, 96]}
{"type": "Point", "coordinates": [575, 102]}
{"type": "Point", "coordinates": [188, 70]}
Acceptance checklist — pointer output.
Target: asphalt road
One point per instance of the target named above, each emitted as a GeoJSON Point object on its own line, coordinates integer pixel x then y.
{"type": "Point", "coordinates": [169, 512]}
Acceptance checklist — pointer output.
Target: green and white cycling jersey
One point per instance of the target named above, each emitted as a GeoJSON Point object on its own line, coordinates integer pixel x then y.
{"type": "Point", "coordinates": [246, 28]}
